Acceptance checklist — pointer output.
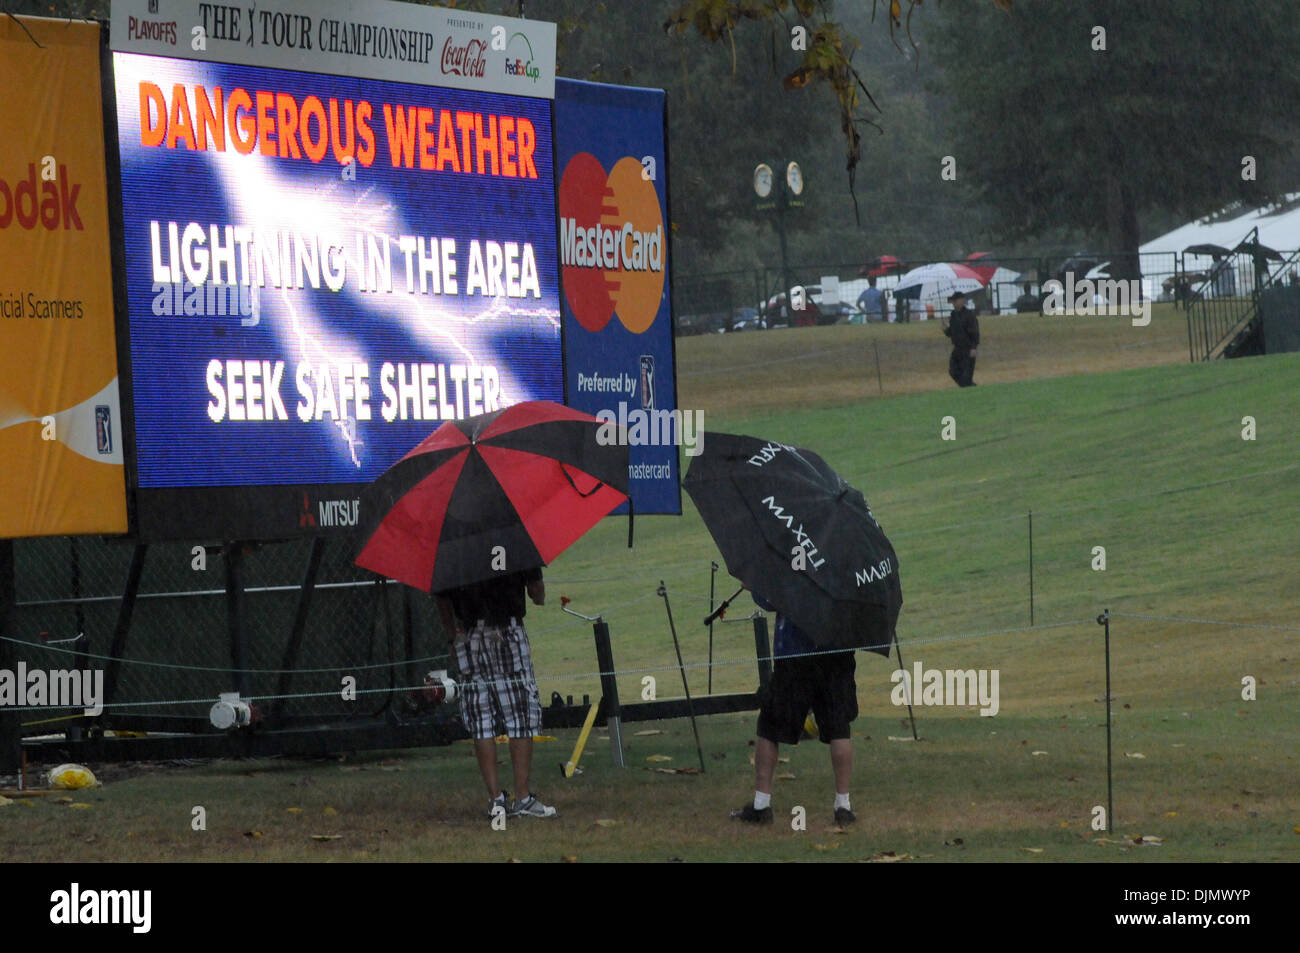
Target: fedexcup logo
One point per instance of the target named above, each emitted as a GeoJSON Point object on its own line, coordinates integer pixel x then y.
{"type": "Point", "coordinates": [517, 65]}
{"type": "Point", "coordinates": [611, 243]}
{"type": "Point", "coordinates": [1117, 297]}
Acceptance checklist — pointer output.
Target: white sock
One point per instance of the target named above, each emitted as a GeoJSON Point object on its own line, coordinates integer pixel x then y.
{"type": "Point", "coordinates": [762, 800]}
{"type": "Point", "coordinates": [842, 801]}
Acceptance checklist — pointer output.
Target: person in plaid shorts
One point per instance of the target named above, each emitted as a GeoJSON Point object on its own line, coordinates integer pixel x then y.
{"type": "Point", "coordinates": [498, 690]}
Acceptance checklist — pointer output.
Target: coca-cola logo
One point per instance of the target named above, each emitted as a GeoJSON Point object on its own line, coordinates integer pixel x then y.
{"type": "Point", "coordinates": [467, 60]}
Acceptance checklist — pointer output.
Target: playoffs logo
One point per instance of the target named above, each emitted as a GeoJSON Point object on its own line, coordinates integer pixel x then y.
{"type": "Point", "coordinates": [611, 243]}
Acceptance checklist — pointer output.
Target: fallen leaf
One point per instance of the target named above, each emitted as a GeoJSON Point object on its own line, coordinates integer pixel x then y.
{"type": "Point", "coordinates": [253, 834]}
{"type": "Point", "coordinates": [659, 757]}
{"type": "Point", "coordinates": [569, 858]}
{"type": "Point", "coordinates": [1149, 840]}
{"type": "Point", "coordinates": [326, 836]}
{"type": "Point", "coordinates": [392, 767]}
{"type": "Point", "coordinates": [29, 803]}
{"type": "Point", "coordinates": [5, 802]}
{"type": "Point", "coordinates": [894, 738]}
{"type": "Point", "coordinates": [1250, 791]}
{"type": "Point", "coordinates": [783, 760]}
{"type": "Point", "coordinates": [785, 776]}
{"type": "Point", "coordinates": [329, 810]}
{"type": "Point", "coordinates": [545, 738]}
{"type": "Point", "coordinates": [833, 845]}
{"type": "Point", "coordinates": [888, 857]}
{"type": "Point", "coordinates": [605, 822]}
{"type": "Point", "coordinates": [63, 800]}
{"type": "Point", "coordinates": [955, 842]}
{"type": "Point", "coordinates": [1178, 744]}
{"type": "Point", "coordinates": [1134, 754]}
{"type": "Point", "coordinates": [647, 732]}
{"type": "Point", "coordinates": [1036, 753]}
{"type": "Point", "coordinates": [1295, 830]}
{"type": "Point", "coordinates": [79, 806]}
{"type": "Point", "coordinates": [1171, 813]}
{"type": "Point", "coordinates": [514, 860]}
{"type": "Point", "coordinates": [294, 810]}
{"type": "Point", "coordinates": [1032, 850]}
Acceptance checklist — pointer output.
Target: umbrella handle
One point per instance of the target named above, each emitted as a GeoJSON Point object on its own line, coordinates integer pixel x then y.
{"type": "Point", "coordinates": [599, 484]}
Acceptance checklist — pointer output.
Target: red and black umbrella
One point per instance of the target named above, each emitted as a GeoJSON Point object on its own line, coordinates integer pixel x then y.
{"type": "Point", "coordinates": [506, 490]}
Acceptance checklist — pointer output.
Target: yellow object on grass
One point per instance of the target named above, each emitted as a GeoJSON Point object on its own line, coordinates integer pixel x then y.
{"type": "Point", "coordinates": [70, 777]}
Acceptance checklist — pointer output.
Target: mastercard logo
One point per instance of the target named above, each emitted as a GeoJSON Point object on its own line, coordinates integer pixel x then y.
{"type": "Point", "coordinates": [611, 243]}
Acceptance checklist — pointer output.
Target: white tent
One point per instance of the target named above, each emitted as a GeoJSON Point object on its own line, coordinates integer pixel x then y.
{"type": "Point", "coordinates": [1277, 229]}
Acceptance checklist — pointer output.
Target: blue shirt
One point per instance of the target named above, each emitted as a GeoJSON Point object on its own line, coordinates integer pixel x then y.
{"type": "Point", "coordinates": [788, 639]}
{"type": "Point", "coordinates": [871, 301]}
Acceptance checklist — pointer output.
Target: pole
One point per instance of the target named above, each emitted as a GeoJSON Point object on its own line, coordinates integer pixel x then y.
{"type": "Point", "coordinates": [879, 384]}
{"type": "Point", "coordinates": [1031, 567]}
{"type": "Point", "coordinates": [690, 708]}
{"type": "Point", "coordinates": [609, 689]}
{"type": "Point", "coordinates": [1104, 619]}
{"type": "Point", "coordinates": [785, 266]}
{"type": "Point", "coordinates": [898, 650]}
{"type": "Point", "coordinates": [10, 731]}
{"type": "Point", "coordinates": [713, 572]}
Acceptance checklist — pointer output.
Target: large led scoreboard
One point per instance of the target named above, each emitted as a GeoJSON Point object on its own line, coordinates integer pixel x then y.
{"type": "Point", "coordinates": [324, 263]}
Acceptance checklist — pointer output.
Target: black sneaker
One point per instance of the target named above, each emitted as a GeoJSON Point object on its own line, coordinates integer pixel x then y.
{"type": "Point", "coordinates": [502, 801]}
{"type": "Point", "coordinates": [752, 815]}
{"type": "Point", "coordinates": [844, 817]}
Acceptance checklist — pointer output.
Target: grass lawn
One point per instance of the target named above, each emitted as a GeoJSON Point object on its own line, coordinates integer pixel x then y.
{"type": "Point", "coordinates": [1099, 428]}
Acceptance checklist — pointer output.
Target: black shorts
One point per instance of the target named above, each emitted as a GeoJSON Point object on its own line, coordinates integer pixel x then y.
{"type": "Point", "coordinates": [822, 683]}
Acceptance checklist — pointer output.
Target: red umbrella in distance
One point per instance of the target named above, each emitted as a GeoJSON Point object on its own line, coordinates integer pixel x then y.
{"type": "Point", "coordinates": [508, 490]}
{"type": "Point", "coordinates": [983, 265]}
{"type": "Point", "coordinates": [881, 265]}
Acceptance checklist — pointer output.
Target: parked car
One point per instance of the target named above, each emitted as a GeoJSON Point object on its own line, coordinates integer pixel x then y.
{"type": "Point", "coordinates": [747, 319]}
{"type": "Point", "coordinates": [775, 311]}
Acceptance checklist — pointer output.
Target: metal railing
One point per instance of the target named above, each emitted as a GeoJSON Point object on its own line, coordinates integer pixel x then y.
{"type": "Point", "coordinates": [1223, 310]}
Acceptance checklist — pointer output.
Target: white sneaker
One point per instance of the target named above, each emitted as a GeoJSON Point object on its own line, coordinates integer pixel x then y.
{"type": "Point", "coordinates": [531, 807]}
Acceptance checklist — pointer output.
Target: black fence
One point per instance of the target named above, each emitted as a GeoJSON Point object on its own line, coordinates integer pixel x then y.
{"type": "Point", "coordinates": [754, 298]}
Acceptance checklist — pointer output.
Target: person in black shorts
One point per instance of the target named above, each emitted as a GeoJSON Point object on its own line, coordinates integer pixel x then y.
{"type": "Point", "coordinates": [803, 678]}
{"type": "Point", "coordinates": [498, 692]}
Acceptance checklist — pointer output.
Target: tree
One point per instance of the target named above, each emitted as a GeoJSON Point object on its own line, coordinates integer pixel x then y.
{"type": "Point", "coordinates": [1082, 113]}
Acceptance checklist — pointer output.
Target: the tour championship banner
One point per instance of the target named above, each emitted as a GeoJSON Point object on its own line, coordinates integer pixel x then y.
{"type": "Point", "coordinates": [618, 337]}
{"type": "Point", "coordinates": [60, 421]}
{"type": "Point", "coordinates": [373, 39]}
{"type": "Point", "coordinates": [320, 270]}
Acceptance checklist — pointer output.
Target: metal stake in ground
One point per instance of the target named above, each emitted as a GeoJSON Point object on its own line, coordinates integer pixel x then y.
{"type": "Point", "coordinates": [713, 571]}
{"type": "Point", "coordinates": [1104, 619]}
{"type": "Point", "coordinates": [690, 708]}
{"type": "Point", "coordinates": [906, 686]}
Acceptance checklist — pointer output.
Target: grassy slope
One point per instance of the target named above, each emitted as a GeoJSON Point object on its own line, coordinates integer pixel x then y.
{"type": "Point", "coordinates": [1148, 463]}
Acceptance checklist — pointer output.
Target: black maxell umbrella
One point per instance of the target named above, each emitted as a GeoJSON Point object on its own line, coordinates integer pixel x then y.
{"type": "Point", "coordinates": [790, 528]}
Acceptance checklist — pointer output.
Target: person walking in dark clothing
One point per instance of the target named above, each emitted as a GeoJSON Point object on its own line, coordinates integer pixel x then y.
{"type": "Point", "coordinates": [964, 330]}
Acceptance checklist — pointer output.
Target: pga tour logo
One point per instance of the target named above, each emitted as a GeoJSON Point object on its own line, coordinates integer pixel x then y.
{"type": "Point", "coordinates": [1102, 296]}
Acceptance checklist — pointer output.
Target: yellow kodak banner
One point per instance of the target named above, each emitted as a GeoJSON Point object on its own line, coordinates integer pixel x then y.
{"type": "Point", "coordinates": [60, 417]}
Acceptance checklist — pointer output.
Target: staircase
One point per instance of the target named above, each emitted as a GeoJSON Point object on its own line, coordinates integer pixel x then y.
{"type": "Point", "coordinates": [1225, 322]}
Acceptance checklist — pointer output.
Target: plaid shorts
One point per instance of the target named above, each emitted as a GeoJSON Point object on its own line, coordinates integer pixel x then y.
{"type": "Point", "coordinates": [498, 691]}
